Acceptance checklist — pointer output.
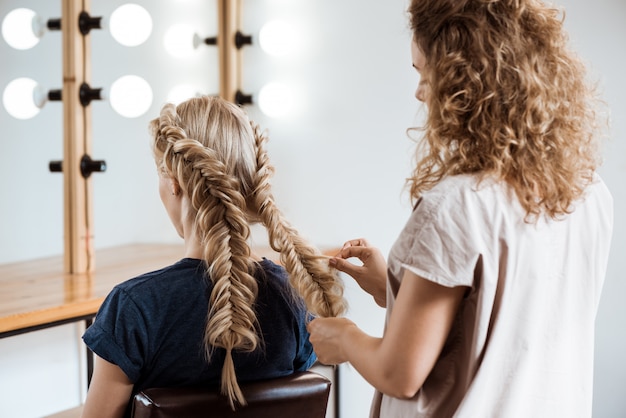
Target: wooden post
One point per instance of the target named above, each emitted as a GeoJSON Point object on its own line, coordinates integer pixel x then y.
{"type": "Point", "coordinates": [79, 256]}
{"type": "Point", "coordinates": [228, 15]}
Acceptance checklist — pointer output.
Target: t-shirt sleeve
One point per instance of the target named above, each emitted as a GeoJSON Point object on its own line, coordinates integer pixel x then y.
{"type": "Point", "coordinates": [305, 357]}
{"type": "Point", "coordinates": [118, 334]}
{"type": "Point", "coordinates": [440, 241]}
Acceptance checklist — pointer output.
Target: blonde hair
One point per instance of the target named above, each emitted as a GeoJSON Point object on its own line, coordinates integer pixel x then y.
{"type": "Point", "coordinates": [218, 157]}
{"type": "Point", "coordinates": [507, 99]}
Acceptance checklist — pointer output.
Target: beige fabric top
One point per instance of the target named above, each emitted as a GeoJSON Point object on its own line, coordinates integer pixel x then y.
{"type": "Point", "coordinates": [522, 343]}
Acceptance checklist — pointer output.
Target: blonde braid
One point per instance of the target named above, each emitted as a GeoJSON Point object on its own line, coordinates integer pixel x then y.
{"type": "Point", "coordinates": [223, 230]}
{"type": "Point", "coordinates": [309, 274]}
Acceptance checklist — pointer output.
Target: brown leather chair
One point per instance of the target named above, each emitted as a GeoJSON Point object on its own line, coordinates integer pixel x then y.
{"type": "Point", "coordinates": [301, 395]}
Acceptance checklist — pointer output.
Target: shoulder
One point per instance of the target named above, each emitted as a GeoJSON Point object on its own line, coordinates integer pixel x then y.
{"type": "Point", "coordinates": [595, 210]}
{"type": "Point", "coordinates": [463, 198]}
{"type": "Point", "coordinates": [274, 285]}
{"type": "Point", "coordinates": [155, 297]}
{"type": "Point", "coordinates": [598, 190]}
{"type": "Point", "coordinates": [270, 267]}
{"type": "Point", "coordinates": [175, 281]}
{"type": "Point", "coordinates": [452, 225]}
{"type": "Point", "coordinates": [180, 270]}
{"type": "Point", "coordinates": [270, 272]}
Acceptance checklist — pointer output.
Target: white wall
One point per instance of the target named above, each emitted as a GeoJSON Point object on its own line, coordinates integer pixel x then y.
{"type": "Point", "coordinates": [31, 208]}
{"type": "Point", "coordinates": [597, 30]}
{"type": "Point", "coordinates": [341, 159]}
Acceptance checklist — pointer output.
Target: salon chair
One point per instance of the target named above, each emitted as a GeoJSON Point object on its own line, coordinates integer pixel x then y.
{"type": "Point", "coordinates": [301, 395]}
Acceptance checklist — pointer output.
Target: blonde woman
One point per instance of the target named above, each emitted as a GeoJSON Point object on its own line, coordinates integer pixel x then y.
{"type": "Point", "coordinates": [492, 287]}
{"type": "Point", "coordinates": [222, 314]}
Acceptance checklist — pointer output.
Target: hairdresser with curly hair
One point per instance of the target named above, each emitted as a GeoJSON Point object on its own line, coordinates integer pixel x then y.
{"type": "Point", "coordinates": [492, 287]}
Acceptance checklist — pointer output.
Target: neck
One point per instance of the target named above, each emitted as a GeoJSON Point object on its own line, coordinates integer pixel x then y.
{"type": "Point", "coordinates": [193, 249]}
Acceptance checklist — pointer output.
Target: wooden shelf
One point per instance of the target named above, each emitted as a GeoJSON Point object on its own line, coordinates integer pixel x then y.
{"type": "Point", "coordinates": [38, 293]}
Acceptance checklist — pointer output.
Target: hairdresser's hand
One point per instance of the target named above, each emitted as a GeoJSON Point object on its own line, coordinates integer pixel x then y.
{"type": "Point", "coordinates": [371, 275]}
{"type": "Point", "coordinates": [329, 339]}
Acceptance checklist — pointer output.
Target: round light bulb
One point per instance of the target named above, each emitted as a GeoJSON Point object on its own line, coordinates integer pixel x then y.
{"type": "Point", "coordinates": [130, 96]}
{"type": "Point", "coordinates": [130, 24]}
{"type": "Point", "coordinates": [277, 38]}
{"type": "Point", "coordinates": [17, 28]}
{"type": "Point", "coordinates": [275, 100]}
{"type": "Point", "coordinates": [179, 40]}
{"type": "Point", "coordinates": [19, 98]}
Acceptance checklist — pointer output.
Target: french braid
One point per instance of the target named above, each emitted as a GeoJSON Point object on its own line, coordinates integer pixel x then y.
{"type": "Point", "coordinates": [309, 273]}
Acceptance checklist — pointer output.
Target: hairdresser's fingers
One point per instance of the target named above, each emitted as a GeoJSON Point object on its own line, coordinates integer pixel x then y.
{"type": "Point", "coordinates": [357, 242]}
{"type": "Point", "coordinates": [362, 253]}
{"type": "Point", "coordinates": [345, 266]}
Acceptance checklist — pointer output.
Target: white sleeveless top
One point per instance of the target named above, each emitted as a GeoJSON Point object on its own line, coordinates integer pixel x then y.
{"type": "Point", "coordinates": [522, 344]}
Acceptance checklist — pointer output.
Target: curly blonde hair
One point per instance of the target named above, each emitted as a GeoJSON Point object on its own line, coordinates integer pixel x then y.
{"type": "Point", "coordinates": [218, 157]}
{"type": "Point", "coordinates": [507, 99]}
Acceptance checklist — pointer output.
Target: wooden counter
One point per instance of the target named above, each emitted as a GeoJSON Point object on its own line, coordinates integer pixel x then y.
{"type": "Point", "coordinates": [37, 294]}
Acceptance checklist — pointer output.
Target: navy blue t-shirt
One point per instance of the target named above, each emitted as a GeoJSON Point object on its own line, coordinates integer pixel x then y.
{"type": "Point", "coordinates": [152, 327]}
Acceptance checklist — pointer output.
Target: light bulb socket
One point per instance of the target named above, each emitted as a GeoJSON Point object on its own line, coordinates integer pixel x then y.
{"type": "Point", "coordinates": [53, 24]}
{"type": "Point", "coordinates": [55, 95]}
{"type": "Point", "coordinates": [55, 166]}
{"type": "Point", "coordinates": [212, 40]}
{"type": "Point", "coordinates": [242, 98]}
{"type": "Point", "coordinates": [241, 40]}
{"type": "Point", "coordinates": [86, 94]}
{"type": "Point", "coordinates": [86, 23]}
{"type": "Point", "coordinates": [88, 166]}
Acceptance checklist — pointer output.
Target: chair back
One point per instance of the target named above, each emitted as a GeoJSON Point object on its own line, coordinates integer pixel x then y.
{"type": "Point", "coordinates": [301, 395]}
